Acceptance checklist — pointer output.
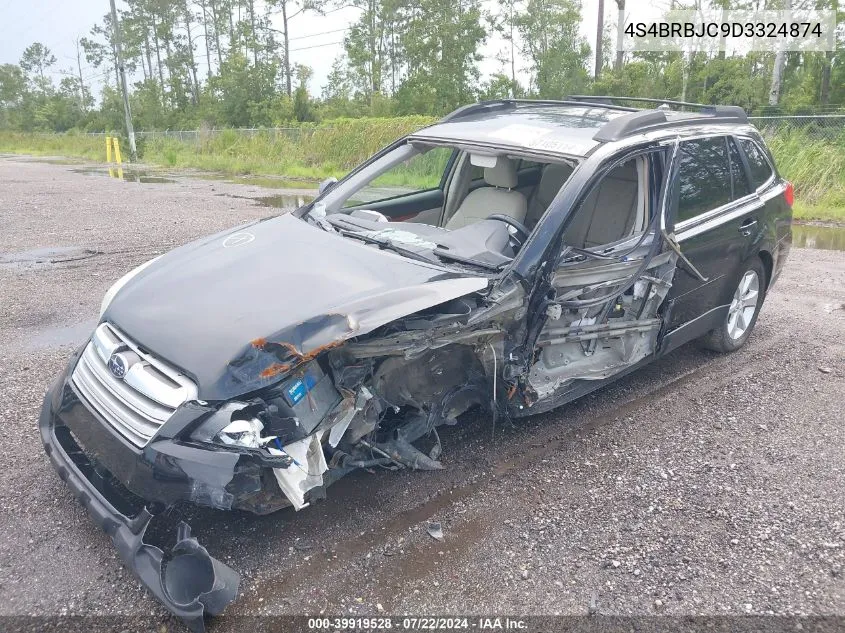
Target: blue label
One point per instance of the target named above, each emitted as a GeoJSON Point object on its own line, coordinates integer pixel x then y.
{"type": "Point", "coordinates": [297, 391]}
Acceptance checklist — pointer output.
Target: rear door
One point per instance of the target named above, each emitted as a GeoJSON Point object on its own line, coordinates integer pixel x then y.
{"type": "Point", "coordinates": [715, 215]}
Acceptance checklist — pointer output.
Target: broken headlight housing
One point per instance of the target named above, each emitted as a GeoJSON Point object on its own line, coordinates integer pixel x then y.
{"type": "Point", "coordinates": [235, 424]}
{"type": "Point", "coordinates": [244, 433]}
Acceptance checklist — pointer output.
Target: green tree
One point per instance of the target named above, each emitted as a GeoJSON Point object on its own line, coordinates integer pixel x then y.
{"type": "Point", "coordinates": [35, 60]}
{"type": "Point", "coordinates": [558, 54]}
{"type": "Point", "coordinates": [287, 10]}
{"type": "Point", "coordinates": [373, 48]}
{"type": "Point", "coordinates": [12, 91]}
{"type": "Point", "coordinates": [302, 107]}
{"type": "Point", "coordinates": [440, 44]}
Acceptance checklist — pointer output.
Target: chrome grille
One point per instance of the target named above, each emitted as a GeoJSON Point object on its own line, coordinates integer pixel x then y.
{"type": "Point", "coordinates": [137, 404]}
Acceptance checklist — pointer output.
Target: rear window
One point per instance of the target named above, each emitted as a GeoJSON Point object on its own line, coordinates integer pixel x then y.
{"type": "Point", "coordinates": [704, 177]}
{"type": "Point", "coordinates": [740, 181]}
{"type": "Point", "coordinates": [761, 171]}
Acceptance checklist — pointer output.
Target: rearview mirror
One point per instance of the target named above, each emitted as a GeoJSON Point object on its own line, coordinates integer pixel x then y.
{"type": "Point", "coordinates": [327, 184]}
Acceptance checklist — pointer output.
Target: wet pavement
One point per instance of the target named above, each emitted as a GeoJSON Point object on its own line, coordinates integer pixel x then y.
{"type": "Point", "coordinates": [702, 484]}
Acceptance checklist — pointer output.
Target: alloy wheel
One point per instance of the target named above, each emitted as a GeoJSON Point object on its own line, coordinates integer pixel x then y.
{"type": "Point", "coordinates": [744, 305]}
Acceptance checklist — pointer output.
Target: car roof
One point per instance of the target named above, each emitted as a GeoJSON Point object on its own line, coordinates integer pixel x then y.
{"type": "Point", "coordinates": [557, 129]}
{"type": "Point", "coordinates": [568, 128]}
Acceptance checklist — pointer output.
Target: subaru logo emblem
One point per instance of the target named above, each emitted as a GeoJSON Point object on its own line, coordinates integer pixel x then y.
{"type": "Point", "coordinates": [238, 239]}
{"type": "Point", "coordinates": [118, 366]}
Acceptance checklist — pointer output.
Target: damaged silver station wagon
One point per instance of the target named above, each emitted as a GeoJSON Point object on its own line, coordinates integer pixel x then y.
{"type": "Point", "coordinates": [512, 257]}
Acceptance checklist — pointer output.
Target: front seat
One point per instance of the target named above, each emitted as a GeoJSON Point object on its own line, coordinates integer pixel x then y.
{"type": "Point", "coordinates": [499, 197]}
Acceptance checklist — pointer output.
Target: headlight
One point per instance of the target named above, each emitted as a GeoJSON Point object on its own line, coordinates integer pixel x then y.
{"type": "Point", "coordinates": [116, 286]}
{"type": "Point", "coordinates": [245, 433]}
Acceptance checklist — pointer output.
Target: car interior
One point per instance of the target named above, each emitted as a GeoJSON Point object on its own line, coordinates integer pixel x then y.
{"type": "Point", "coordinates": [482, 208]}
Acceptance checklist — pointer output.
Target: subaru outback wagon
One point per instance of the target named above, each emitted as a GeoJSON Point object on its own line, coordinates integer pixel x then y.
{"type": "Point", "coordinates": [512, 257]}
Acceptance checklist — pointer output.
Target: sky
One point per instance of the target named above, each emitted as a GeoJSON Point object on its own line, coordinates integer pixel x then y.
{"type": "Point", "coordinates": [315, 40]}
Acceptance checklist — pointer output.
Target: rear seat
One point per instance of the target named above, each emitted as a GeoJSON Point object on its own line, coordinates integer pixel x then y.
{"type": "Point", "coordinates": [552, 179]}
{"type": "Point", "coordinates": [609, 211]}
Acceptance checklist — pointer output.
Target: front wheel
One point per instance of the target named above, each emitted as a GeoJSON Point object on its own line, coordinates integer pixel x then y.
{"type": "Point", "coordinates": [742, 313]}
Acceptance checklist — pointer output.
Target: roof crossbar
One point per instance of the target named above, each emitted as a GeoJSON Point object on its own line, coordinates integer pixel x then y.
{"type": "Point", "coordinates": [501, 104]}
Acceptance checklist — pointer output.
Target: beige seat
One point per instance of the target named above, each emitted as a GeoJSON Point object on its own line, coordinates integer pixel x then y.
{"type": "Point", "coordinates": [552, 179]}
{"type": "Point", "coordinates": [611, 211]}
{"type": "Point", "coordinates": [499, 197]}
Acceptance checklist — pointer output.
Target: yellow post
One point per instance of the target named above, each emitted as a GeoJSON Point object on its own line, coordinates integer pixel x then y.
{"type": "Point", "coordinates": [116, 150]}
{"type": "Point", "coordinates": [108, 149]}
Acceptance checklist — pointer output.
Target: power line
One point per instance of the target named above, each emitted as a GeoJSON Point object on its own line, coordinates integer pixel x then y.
{"type": "Point", "coordinates": [305, 37]}
{"type": "Point", "coordinates": [305, 48]}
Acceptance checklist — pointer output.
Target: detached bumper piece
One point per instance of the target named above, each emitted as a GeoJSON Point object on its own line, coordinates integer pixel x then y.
{"type": "Point", "coordinates": [190, 583]}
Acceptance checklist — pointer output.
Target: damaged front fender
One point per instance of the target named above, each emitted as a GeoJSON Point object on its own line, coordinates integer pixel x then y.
{"type": "Point", "coordinates": [265, 359]}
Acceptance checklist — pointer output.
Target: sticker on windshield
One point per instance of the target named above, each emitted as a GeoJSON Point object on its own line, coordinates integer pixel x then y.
{"type": "Point", "coordinates": [553, 143]}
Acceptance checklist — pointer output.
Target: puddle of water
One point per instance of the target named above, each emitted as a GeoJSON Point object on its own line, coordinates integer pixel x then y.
{"type": "Point", "coordinates": [46, 255]}
{"type": "Point", "coordinates": [148, 179]}
{"type": "Point", "coordinates": [62, 335]}
{"type": "Point", "coordinates": [831, 238]}
{"type": "Point", "coordinates": [269, 182]}
{"type": "Point", "coordinates": [128, 175]}
{"type": "Point", "coordinates": [283, 201]}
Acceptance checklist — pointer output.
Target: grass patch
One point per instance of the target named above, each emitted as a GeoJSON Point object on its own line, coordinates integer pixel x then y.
{"type": "Point", "coordinates": [817, 169]}
{"type": "Point", "coordinates": [807, 212]}
{"type": "Point", "coordinates": [313, 152]}
{"type": "Point", "coordinates": [76, 145]}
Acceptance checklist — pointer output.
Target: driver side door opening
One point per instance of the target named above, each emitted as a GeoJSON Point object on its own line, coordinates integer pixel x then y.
{"type": "Point", "coordinates": [604, 310]}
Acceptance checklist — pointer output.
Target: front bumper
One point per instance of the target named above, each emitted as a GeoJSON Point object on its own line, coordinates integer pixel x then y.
{"type": "Point", "coordinates": [191, 583]}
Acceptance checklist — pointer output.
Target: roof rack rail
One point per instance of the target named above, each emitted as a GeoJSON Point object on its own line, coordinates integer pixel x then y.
{"type": "Point", "coordinates": [718, 110]}
{"type": "Point", "coordinates": [647, 120]}
{"type": "Point", "coordinates": [498, 104]}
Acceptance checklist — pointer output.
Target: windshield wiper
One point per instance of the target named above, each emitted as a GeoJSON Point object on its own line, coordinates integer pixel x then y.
{"type": "Point", "coordinates": [444, 254]}
{"type": "Point", "coordinates": [385, 244]}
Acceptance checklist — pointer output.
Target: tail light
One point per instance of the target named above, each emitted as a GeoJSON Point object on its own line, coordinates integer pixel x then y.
{"type": "Point", "coordinates": [789, 194]}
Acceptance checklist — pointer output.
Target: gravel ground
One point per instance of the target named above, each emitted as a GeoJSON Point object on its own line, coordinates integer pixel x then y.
{"type": "Point", "coordinates": [700, 485]}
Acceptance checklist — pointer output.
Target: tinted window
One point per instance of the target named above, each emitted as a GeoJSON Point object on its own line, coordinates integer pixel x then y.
{"type": "Point", "coordinates": [704, 178]}
{"type": "Point", "coordinates": [740, 182]}
{"type": "Point", "coordinates": [760, 170]}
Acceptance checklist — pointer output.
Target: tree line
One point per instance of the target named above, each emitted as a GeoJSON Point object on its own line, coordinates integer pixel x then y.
{"type": "Point", "coordinates": [223, 63]}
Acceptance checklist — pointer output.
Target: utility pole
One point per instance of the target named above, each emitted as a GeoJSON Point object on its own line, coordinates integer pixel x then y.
{"type": "Point", "coordinates": [130, 131]}
{"type": "Point", "coordinates": [599, 39]}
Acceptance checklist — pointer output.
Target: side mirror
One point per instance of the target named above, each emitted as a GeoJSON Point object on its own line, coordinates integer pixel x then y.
{"type": "Point", "coordinates": [327, 184]}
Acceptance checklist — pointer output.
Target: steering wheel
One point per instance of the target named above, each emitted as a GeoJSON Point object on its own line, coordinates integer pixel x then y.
{"type": "Point", "coordinates": [519, 226]}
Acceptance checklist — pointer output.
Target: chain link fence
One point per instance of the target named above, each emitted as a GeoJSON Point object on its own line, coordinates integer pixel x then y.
{"type": "Point", "coordinates": [289, 133]}
{"type": "Point", "coordinates": [822, 126]}
{"type": "Point", "coordinates": [829, 127]}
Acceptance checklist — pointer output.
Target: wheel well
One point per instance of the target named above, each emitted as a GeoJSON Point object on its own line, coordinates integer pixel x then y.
{"type": "Point", "coordinates": [768, 265]}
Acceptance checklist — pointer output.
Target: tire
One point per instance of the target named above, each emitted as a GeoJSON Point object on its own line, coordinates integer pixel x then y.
{"type": "Point", "coordinates": [742, 315]}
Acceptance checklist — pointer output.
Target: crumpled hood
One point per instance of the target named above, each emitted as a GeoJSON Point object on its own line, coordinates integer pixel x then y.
{"type": "Point", "coordinates": [237, 310]}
